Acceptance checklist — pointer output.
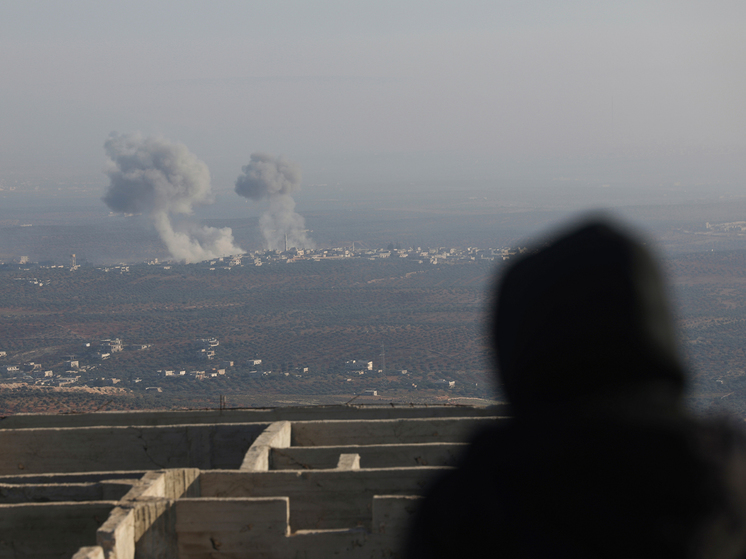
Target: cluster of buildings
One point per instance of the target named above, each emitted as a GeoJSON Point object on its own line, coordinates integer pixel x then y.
{"type": "Point", "coordinates": [437, 255]}
{"type": "Point", "coordinates": [205, 348]}
{"type": "Point", "coordinates": [108, 347]}
{"type": "Point", "coordinates": [358, 365]}
{"type": "Point", "coordinates": [35, 373]}
{"type": "Point", "coordinates": [729, 227]}
{"type": "Point", "coordinates": [70, 371]}
{"type": "Point", "coordinates": [74, 372]}
{"type": "Point", "coordinates": [195, 374]}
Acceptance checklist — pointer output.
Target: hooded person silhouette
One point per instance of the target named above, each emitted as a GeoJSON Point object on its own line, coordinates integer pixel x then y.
{"type": "Point", "coordinates": [600, 458]}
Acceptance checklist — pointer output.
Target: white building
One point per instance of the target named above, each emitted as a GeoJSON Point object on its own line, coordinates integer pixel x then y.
{"type": "Point", "coordinates": [358, 365]}
{"type": "Point", "coordinates": [111, 346]}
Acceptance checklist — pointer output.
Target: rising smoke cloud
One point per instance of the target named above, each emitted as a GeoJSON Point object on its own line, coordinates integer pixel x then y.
{"type": "Point", "coordinates": [154, 176]}
{"type": "Point", "coordinates": [275, 179]}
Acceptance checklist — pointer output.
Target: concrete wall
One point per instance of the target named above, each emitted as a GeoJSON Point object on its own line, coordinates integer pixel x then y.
{"type": "Point", "coordinates": [87, 477]}
{"type": "Point", "coordinates": [112, 490]}
{"type": "Point", "coordinates": [259, 527]}
{"type": "Point", "coordinates": [122, 448]}
{"type": "Point", "coordinates": [385, 431]}
{"type": "Point", "coordinates": [50, 531]}
{"type": "Point", "coordinates": [143, 525]}
{"type": "Point", "coordinates": [146, 525]}
{"type": "Point", "coordinates": [167, 484]}
{"type": "Point", "coordinates": [158, 418]}
{"type": "Point", "coordinates": [321, 499]}
{"type": "Point", "coordinates": [210, 490]}
{"type": "Point", "coordinates": [231, 527]}
{"type": "Point", "coordinates": [257, 458]}
{"type": "Point", "coordinates": [371, 456]}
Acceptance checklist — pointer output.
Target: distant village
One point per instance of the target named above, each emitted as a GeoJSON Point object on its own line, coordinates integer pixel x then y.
{"type": "Point", "coordinates": [87, 365]}
{"type": "Point", "coordinates": [68, 373]}
{"type": "Point", "coordinates": [438, 255]}
{"type": "Point", "coordinates": [82, 371]}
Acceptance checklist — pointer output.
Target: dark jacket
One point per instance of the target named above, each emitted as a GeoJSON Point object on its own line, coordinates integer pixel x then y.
{"type": "Point", "coordinates": [600, 458]}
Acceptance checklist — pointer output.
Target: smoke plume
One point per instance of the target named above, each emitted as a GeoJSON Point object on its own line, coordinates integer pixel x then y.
{"type": "Point", "coordinates": [154, 176]}
{"type": "Point", "coordinates": [275, 179]}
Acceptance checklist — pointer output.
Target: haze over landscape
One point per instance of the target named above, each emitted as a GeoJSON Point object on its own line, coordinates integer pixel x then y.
{"type": "Point", "coordinates": [185, 132]}
{"type": "Point", "coordinates": [359, 93]}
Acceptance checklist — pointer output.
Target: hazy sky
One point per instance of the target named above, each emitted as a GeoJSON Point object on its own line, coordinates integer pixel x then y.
{"type": "Point", "coordinates": [381, 89]}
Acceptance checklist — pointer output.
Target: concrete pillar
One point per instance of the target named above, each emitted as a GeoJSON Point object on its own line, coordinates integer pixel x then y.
{"type": "Point", "coordinates": [348, 462]}
{"type": "Point", "coordinates": [116, 536]}
{"type": "Point", "coordinates": [155, 528]}
{"type": "Point", "coordinates": [169, 484]}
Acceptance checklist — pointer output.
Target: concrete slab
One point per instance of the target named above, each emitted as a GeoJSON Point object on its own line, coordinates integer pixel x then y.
{"type": "Point", "coordinates": [348, 462]}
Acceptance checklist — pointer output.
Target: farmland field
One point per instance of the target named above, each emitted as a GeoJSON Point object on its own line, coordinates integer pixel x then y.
{"type": "Point", "coordinates": [426, 319]}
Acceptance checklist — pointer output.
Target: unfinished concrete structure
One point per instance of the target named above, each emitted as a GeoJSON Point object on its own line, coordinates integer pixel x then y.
{"type": "Point", "coordinates": [283, 482]}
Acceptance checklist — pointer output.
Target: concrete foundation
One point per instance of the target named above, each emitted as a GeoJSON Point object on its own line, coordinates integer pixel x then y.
{"type": "Point", "coordinates": [328, 482]}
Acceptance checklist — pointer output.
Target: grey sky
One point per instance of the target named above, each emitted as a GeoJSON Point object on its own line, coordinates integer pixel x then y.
{"type": "Point", "coordinates": [350, 88]}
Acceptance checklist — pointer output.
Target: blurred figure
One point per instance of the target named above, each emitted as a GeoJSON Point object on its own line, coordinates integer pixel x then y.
{"type": "Point", "coordinates": [600, 458]}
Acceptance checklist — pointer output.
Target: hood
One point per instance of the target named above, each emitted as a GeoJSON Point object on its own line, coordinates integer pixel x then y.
{"type": "Point", "coordinates": [584, 315]}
